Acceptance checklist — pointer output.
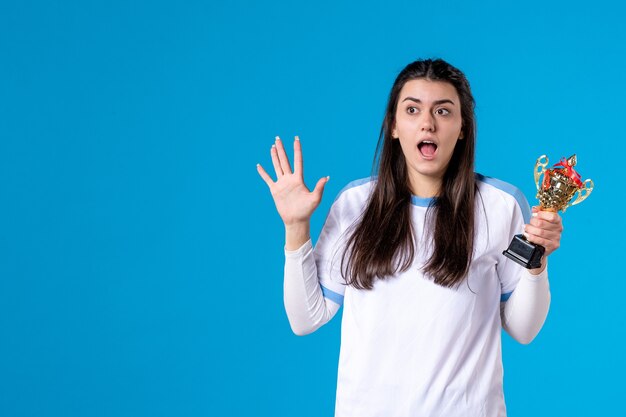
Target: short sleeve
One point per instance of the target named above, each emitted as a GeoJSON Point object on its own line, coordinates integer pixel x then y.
{"type": "Point", "coordinates": [328, 254]}
{"type": "Point", "coordinates": [509, 272]}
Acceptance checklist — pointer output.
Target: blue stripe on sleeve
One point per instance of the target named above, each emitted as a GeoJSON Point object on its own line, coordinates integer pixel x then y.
{"type": "Point", "coordinates": [510, 189]}
{"type": "Point", "coordinates": [332, 296]}
{"type": "Point", "coordinates": [356, 183]}
{"type": "Point", "coordinates": [505, 297]}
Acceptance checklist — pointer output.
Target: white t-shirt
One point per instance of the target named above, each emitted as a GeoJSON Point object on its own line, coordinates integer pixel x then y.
{"type": "Point", "coordinates": [409, 346]}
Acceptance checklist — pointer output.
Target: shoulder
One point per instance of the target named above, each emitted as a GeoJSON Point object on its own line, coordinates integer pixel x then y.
{"type": "Point", "coordinates": [498, 194]}
{"type": "Point", "coordinates": [353, 197]}
{"type": "Point", "coordinates": [357, 190]}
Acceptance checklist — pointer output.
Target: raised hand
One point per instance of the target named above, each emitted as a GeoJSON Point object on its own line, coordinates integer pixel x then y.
{"type": "Point", "coordinates": [293, 200]}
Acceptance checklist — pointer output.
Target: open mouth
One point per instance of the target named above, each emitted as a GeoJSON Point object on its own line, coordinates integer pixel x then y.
{"type": "Point", "coordinates": [427, 148]}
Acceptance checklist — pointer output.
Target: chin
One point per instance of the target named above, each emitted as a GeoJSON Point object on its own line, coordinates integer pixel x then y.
{"type": "Point", "coordinates": [430, 171]}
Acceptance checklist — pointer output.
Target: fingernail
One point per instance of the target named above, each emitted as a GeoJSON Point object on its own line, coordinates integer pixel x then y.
{"type": "Point", "coordinates": [277, 138]}
{"type": "Point", "coordinates": [328, 178]}
{"type": "Point", "coordinates": [535, 214]}
{"type": "Point", "coordinates": [297, 137]}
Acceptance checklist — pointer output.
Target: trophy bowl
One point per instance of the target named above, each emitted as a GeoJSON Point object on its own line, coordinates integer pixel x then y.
{"type": "Point", "coordinates": [559, 184]}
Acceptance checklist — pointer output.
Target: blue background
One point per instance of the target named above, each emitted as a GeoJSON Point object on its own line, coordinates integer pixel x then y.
{"type": "Point", "coordinates": [141, 255]}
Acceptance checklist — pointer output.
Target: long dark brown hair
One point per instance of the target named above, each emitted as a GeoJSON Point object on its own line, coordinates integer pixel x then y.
{"type": "Point", "coordinates": [382, 240]}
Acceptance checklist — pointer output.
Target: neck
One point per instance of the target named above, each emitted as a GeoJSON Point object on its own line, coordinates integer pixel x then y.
{"type": "Point", "coordinates": [425, 186]}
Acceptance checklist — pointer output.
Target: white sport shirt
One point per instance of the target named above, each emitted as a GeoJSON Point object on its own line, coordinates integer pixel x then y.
{"type": "Point", "coordinates": [410, 347]}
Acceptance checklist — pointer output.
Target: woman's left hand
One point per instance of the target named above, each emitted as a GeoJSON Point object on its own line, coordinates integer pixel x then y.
{"type": "Point", "coordinates": [544, 229]}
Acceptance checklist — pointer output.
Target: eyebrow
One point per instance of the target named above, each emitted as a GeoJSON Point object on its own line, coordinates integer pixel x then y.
{"type": "Point", "coordinates": [417, 100]}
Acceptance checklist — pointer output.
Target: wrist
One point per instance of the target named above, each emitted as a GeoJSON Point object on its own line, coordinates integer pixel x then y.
{"type": "Point", "coordinates": [538, 271]}
{"type": "Point", "coordinates": [296, 235]}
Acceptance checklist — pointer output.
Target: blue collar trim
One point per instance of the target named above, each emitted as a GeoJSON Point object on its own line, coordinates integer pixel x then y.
{"type": "Point", "coordinates": [422, 201]}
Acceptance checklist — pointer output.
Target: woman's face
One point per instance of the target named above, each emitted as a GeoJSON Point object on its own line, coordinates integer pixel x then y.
{"type": "Point", "coordinates": [428, 125]}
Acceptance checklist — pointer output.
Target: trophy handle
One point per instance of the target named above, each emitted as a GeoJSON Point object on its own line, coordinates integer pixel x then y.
{"type": "Point", "coordinates": [540, 168]}
{"type": "Point", "coordinates": [583, 193]}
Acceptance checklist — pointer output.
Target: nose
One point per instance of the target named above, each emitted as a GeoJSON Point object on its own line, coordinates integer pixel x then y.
{"type": "Point", "coordinates": [427, 122]}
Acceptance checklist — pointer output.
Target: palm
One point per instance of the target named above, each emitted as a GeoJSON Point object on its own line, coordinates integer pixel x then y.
{"type": "Point", "coordinates": [294, 202]}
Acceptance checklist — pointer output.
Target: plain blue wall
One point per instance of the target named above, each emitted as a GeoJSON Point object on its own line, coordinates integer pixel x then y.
{"type": "Point", "coordinates": [141, 255]}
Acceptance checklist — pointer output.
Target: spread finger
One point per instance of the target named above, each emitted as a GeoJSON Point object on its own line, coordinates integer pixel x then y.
{"type": "Point", "coordinates": [276, 162]}
{"type": "Point", "coordinates": [282, 156]}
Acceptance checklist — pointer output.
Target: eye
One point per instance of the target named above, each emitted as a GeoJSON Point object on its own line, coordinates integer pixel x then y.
{"type": "Point", "coordinates": [412, 110]}
{"type": "Point", "coordinates": [442, 112]}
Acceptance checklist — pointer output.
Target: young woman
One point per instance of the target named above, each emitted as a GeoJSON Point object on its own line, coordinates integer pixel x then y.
{"type": "Point", "coordinates": [414, 255]}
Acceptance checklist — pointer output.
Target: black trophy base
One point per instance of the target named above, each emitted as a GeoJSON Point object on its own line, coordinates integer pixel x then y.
{"type": "Point", "coordinates": [525, 253]}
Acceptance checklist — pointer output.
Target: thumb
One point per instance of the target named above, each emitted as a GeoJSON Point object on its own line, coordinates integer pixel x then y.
{"type": "Point", "coordinates": [319, 187]}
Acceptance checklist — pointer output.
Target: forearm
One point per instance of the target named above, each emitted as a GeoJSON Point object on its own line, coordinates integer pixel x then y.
{"type": "Point", "coordinates": [306, 307]}
{"type": "Point", "coordinates": [524, 314]}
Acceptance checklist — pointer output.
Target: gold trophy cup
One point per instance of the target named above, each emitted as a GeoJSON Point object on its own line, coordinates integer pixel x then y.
{"type": "Point", "coordinates": [560, 184]}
